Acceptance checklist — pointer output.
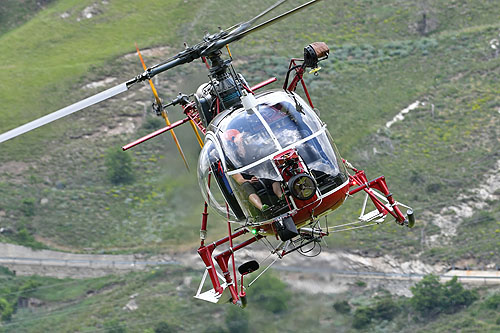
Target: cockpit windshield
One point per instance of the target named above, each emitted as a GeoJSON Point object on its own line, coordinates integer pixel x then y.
{"type": "Point", "coordinates": [245, 139]}
{"type": "Point", "coordinates": [288, 121]}
{"type": "Point", "coordinates": [279, 120]}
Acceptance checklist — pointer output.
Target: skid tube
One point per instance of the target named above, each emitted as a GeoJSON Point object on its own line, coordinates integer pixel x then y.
{"type": "Point", "coordinates": [363, 184]}
{"type": "Point", "coordinates": [222, 259]}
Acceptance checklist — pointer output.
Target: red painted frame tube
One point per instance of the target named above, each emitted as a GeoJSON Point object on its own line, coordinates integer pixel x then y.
{"type": "Point", "coordinates": [206, 252]}
{"type": "Point", "coordinates": [191, 111]}
{"type": "Point", "coordinates": [379, 184]}
{"type": "Point", "coordinates": [155, 133]}
{"type": "Point", "coordinates": [263, 83]}
{"type": "Point", "coordinates": [223, 261]}
{"type": "Point", "coordinates": [299, 73]}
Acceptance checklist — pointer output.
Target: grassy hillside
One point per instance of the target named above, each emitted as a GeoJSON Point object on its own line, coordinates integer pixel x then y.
{"type": "Point", "coordinates": [162, 297]}
{"type": "Point", "coordinates": [14, 13]}
{"type": "Point", "coordinates": [53, 181]}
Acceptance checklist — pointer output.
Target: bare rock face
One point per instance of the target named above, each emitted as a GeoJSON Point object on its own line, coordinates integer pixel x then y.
{"type": "Point", "coordinates": [475, 199]}
{"type": "Point", "coordinates": [132, 304]}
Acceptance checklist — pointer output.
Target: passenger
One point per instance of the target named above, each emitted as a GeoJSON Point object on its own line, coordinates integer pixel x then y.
{"type": "Point", "coordinates": [249, 183]}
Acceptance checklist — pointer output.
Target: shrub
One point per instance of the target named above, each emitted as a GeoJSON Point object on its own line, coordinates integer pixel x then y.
{"type": "Point", "coordinates": [493, 302]}
{"type": "Point", "coordinates": [385, 309]}
{"type": "Point", "coordinates": [342, 307]}
{"type": "Point", "coordinates": [6, 271]}
{"type": "Point", "coordinates": [153, 123]}
{"type": "Point", "coordinates": [114, 326]}
{"type": "Point", "coordinates": [163, 327]}
{"type": "Point", "coordinates": [362, 317]}
{"type": "Point", "coordinates": [6, 309]}
{"type": "Point", "coordinates": [360, 283]}
{"type": "Point", "coordinates": [24, 237]}
{"type": "Point", "coordinates": [430, 297]}
{"type": "Point", "coordinates": [28, 207]}
{"type": "Point", "coordinates": [433, 188]}
{"type": "Point", "coordinates": [28, 287]}
{"type": "Point", "coordinates": [119, 167]}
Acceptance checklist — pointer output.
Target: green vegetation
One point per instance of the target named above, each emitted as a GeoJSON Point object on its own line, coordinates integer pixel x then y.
{"type": "Point", "coordinates": [493, 302]}
{"type": "Point", "coordinates": [119, 167]}
{"type": "Point", "coordinates": [6, 309]}
{"type": "Point", "coordinates": [270, 294]}
{"type": "Point", "coordinates": [163, 297]}
{"type": "Point", "coordinates": [342, 307]}
{"type": "Point", "coordinates": [14, 13]}
{"type": "Point", "coordinates": [431, 297]}
{"type": "Point", "coordinates": [384, 308]}
{"type": "Point", "coordinates": [237, 320]}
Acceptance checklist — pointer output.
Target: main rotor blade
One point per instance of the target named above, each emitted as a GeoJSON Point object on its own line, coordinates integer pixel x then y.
{"type": "Point", "coordinates": [64, 112]}
{"type": "Point", "coordinates": [245, 25]}
{"type": "Point", "coordinates": [209, 46]}
{"type": "Point", "coordinates": [263, 25]}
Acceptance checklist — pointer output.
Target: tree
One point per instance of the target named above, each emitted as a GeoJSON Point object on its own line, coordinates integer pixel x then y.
{"type": "Point", "coordinates": [6, 309]}
{"type": "Point", "coordinates": [430, 297]}
{"type": "Point", "coordinates": [427, 295]}
{"type": "Point", "coordinates": [342, 307]}
{"type": "Point", "coordinates": [457, 296]}
{"type": "Point", "coordinates": [119, 167]}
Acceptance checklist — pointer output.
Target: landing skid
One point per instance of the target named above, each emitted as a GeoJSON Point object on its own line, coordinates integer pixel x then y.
{"type": "Point", "coordinates": [211, 295]}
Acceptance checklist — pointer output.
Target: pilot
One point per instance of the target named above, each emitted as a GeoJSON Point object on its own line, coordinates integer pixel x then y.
{"type": "Point", "coordinates": [248, 182]}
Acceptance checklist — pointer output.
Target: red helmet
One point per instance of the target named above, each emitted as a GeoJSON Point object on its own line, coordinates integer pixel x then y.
{"type": "Point", "coordinates": [230, 134]}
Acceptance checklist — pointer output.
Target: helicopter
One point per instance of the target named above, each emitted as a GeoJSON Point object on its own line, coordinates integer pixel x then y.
{"type": "Point", "coordinates": [267, 165]}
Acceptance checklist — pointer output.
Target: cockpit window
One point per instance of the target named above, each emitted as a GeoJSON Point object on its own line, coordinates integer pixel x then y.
{"type": "Point", "coordinates": [245, 140]}
{"type": "Point", "coordinates": [289, 119]}
{"type": "Point", "coordinates": [215, 184]}
{"type": "Point", "coordinates": [280, 120]}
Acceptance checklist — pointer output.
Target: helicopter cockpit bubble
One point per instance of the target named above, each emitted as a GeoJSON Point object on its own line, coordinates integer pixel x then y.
{"type": "Point", "coordinates": [247, 142]}
{"type": "Point", "coordinates": [214, 184]}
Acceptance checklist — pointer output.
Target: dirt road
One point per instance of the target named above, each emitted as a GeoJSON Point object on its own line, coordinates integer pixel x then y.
{"type": "Point", "coordinates": [330, 272]}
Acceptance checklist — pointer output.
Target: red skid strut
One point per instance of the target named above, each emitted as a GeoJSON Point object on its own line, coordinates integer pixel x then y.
{"type": "Point", "coordinates": [359, 178]}
{"type": "Point", "coordinates": [222, 260]}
